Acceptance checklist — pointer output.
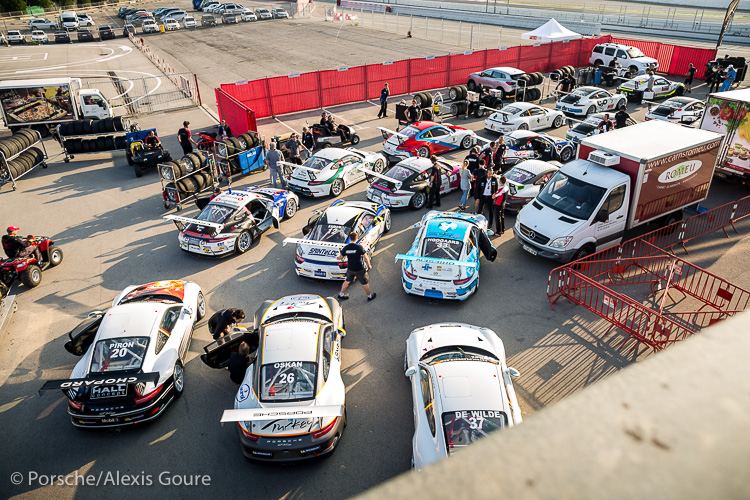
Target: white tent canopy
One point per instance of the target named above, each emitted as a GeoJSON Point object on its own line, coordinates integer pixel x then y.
{"type": "Point", "coordinates": [551, 31]}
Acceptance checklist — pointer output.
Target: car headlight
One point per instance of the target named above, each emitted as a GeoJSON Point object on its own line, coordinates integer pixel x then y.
{"type": "Point", "coordinates": [561, 242]}
{"type": "Point", "coordinates": [517, 224]}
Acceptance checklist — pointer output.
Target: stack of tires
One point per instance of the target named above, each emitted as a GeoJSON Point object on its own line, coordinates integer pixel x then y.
{"type": "Point", "coordinates": [27, 157]}
{"type": "Point", "coordinates": [237, 145]}
{"type": "Point", "coordinates": [525, 87]}
{"type": "Point", "coordinates": [187, 175]}
{"type": "Point", "coordinates": [424, 101]}
{"type": "Point", "coordinates": [459, 94]}
{"type": "Point", "coordinates": [102, 128]}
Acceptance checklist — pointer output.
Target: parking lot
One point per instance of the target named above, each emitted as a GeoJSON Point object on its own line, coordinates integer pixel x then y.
{"type": "Point", "coordinates": [109, 224]}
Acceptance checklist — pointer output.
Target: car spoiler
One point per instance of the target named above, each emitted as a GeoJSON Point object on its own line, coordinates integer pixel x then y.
{"type": "Point", "coordinates": [177, 219]}
{"type": "Point", "coordinates": [313, 242]}
{"type": "Point", "coordinates": [389, 180]}
{"type": "Point", "coordinates": [387, 134]}
{"type": "Point", "coordinates": [282, 413]}
{"type": "Point", "coordinates": [436, 261]}
{"type": "Point", "coordinates": [74, 383]}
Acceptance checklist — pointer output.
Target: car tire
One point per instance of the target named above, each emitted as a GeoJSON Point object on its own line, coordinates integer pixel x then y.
{"type": "Point", "coordinates": [622, 105]}
{"type": "Point", "coordinates": [464, 91]}
{"type": "Point", "coordinates": [423, 152]}
{"type": "Point", "coordinates": [479, 112]}
{"type": "Point", "coordinates": [378, 166]}
{"type": "Point", "coordinates": [290, 210]}
{"type": "Point", "coordinates": [337, 187]}
{"type": "Point", "coordinates": [236, 145]}
{"type": "Point", "coordinates": [426, 100]}
{"type": "Point", "coordinates": [467, 142]}
{"type": "Point", "coordinates": [418, 200]}
{"type": "Point", "coordinates": [244, 242]}
{"type": "Point", "coordinates": [598, 63]}
{"type": "Point", "coordinates": [680, 91]}
{"type": "Point", "coordinates": [129, 158]}
{"type": "Point", "coordinates": [590, 111]}
{"type": "Point", "coordinates": [109, 125]}
{"type": "Point", "coordinates": [523, 126]}
{"type": "Point", "coordinates": [194, 160]}
{"type": "Point", "coordinates": [418, 98]}
{"type": "Point", "coordinates": [503, 94]}
{"type": "Point", "coordinates": [55, 256]}
{"type": "Point", "coordinates": [471, 85]}
{"type": "Point", "coordinates": [178, 380]}
{"type": "Point", "coordinates": [387, 222]}
{"type": "Point", "coordinates": [119, 124]}
{"type": "Point", "coordinates": [454, 93]}
{"type": "Point", "coordinates": [558, 122]}
{"type": "Point", "coordinates": [100, 144]}
{"type": "Point", "coordinates": [86, 146]}
{"type": "Point", "coordinates": [86, 126]}
{"type": "Point", "coordinates": [566, 155]}
{"type": "Point", "coordinates": [355, 139]}
{"type": "Point", "coordinates": [633, 70]}
{"type": "Point", "coordinates": [138, 169]}
{"type": "Point", "coordinates": [31, 276]}
{"type": "Point", "coordinates": [427, 114]}
{"type": "Point", "coordinates": [582, 252]}
{"type": "Point", "coordinates": [200, 306]}
{"type": "Point", "coordinates": [570, 69]}
{"type": "Point", "coordinates": [538, 78]}
{"type": "Point", "coordinates": [109, 143]}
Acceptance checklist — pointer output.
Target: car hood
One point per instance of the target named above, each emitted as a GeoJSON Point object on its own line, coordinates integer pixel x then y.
{"type": "Point", "coordinates": [570, 99]}
{"type": "Point", "coordinates": [548, 222]}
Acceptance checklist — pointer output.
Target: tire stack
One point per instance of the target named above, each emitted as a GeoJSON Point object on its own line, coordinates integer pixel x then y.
{"type": "Point", "coordinates": [237, 145]}
{"type": "Point", "coordinates": [458, 94]}
{"type": "Point", "coordinates": [21, 142]}
{"type": "Point", "coordinates": [102, 128]}
{"type": "Point", "coordinates": [189, 172]}
{"type": "Point", "coordinates": [527, 92]}
{"type": "Point", "coordinates": [424, 101]}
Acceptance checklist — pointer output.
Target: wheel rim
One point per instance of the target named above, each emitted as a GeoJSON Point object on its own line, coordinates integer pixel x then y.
{"type": "Point", "coordinates": [166, 174]}
{"type": "Point", "coordinates": [388, 222]}
{"type": "Point", "coordinates": [566, 155]}
{"type": "Point", "coordinates": [590, 111]}
{"type": "Point", "coordinates": [379, 165]}
{"type": "Point", "coordinates": [36, 275]}
{"type": "Point", "coordinates": [244, 242]}
{"type": "Point", "coordinates": [336, 187]}
{"type": "Point", "coordinates": [56, 256]}
{"type": "Point", "coordinates": [467, 142]}
{"type": "Point", "coordinates": [201, 305]}
{"type": "Point", "coordinates": [558, 122]}
{"type": "Point", "coordinates": [419, 200]}
{"type": "Point", "coordinates": [423, 152]}
{"type": "Point", "coordinates": [523, 126]}
{"type": "Point", "coordinates": [179, 382]}
{"type": "Point", "coordinates": [291, 208]}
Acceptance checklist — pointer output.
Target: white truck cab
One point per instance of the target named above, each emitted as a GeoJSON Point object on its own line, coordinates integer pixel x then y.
{"type": "Point", "coordinates": [94, 105]}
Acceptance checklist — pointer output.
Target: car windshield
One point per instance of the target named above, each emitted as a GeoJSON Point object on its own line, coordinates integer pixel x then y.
{"type": "Point", "coordinates": [464, 427]}
{"type": "Point", "coordinates": [571, 196]}
{"type": "Point", "coordinates": [262, 11]}
{"type": "Point", "coordinates": [215, 213]}
{"type": "Point", "coordinates": [288, 381]}
{"type": "Point", "coordinates": [516, 76]}
{"type": "Point", "coordinates": [399, 173]}
{"type": "Point", "coordinates": [410, 131]}
{"type": "Point", "coordinates": [673, 104]}
{"type": "Point", "coordinates": [458, 353]}
{"type": "Point", "coordinates": [442, 248]}
{"type": "Point", "coordinates": [317, 162]}
{"type": "Point", "coordinates": [581, 92]}
{"type": "Point", "coordinates": [585, 127]}
{"type": "Point", "coordinates": [633, 53]}
{"type": "Point", "coordinates": [112, 355]}
{"type": "Point", "coordinates": [510, 110]}
{"type": "Point", "coordinates": [519, 175]}
{"type": "Point", "coordinates": [104, 28]}
{"type": "Point", "coordinates": [332, 233]}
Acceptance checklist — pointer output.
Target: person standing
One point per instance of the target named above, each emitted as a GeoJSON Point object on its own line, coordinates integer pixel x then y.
{"type": "Point", "coordinates": [220, 323]}
{"type": "Point", "coordinates": [715, 78]}
{"type": "Point", "coordinates": [355, 254]}
{"type": "Point", "coordinates": [465, 184]}
{"type": "Point", "coordinates": [689, 80]}
{"type": "Point", "coordinates": [488, 154]}
{"type": "Point", "coordinates": [499, 158]}
{"type": "Point", "coordinates": [487, 189]}
{"type": "Point", "coordinates": [499, 205]}
{"type": "Point", "coordinates": [224, 130]}
{"type": "Point", "coordinates": [479, 177]}
{"type": "Point", "coordinates": [384, 93]}
{"type": "Point", "coordinates": [273, 157]}
{"type": "Point", "coordinates": [472, 159]}
{"type": "Point", "coordinates": [238, 363]}
{"type": "Point", "coordinates": [413, 113]}
{"type": "Point", "coordinates": [436, 181]}
{"type": "Point", "coordinates": [308, 141]}
{"type": "Point", "coordinates": [650, 82]}
{"type": "Point", "coordinates": [184, 136]}
{"type": "Point", "coordinates": [606, 124]}
{"type": "Point", "coordinates": [621, 119]}
{"type": "Point", "coordinates": [729, 78]}
{"type": "Point", "coordinates": [294, 145]}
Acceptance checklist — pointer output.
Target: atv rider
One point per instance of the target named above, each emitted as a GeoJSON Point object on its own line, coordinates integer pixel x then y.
{"type": "Point", "coordinates": [18, 247]}
{"type": "Point", "coordinates": [152, 142]}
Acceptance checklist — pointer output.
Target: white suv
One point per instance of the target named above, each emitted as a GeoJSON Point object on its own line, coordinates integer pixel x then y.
{"type": "Point", "coordinates": [627, 57]}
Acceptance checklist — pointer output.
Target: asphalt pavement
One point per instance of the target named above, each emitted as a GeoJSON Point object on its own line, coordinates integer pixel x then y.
{"type": "Point", "coordinates": [108, 222]}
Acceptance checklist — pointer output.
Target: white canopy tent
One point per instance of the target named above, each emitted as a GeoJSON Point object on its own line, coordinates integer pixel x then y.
{"type": "Point", "coordinates": [551, 31]}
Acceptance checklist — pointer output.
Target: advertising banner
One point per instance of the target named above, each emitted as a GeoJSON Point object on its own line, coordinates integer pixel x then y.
{"type": "Point", "coordinates": [37, 104]}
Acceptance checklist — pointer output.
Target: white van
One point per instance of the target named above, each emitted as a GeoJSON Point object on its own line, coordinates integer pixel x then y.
{"type": "Point", "coordinates": [69, 20]}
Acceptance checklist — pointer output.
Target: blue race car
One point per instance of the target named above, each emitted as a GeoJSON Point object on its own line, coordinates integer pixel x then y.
{"type": "Point", "coordinates": [232, 221]}
{"type": "Point", "coordinates": [525, 145]}
{"type": "Point", "coordinates": [443, 261]}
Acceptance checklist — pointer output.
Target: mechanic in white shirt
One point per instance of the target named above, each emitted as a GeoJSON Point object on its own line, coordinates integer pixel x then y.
{"type": "Point", "coordinates": [499, 205]}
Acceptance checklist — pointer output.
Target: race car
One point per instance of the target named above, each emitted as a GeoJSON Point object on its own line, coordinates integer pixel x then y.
{"type": "Point", "coordinates": [525, 145]}
{"type": "Point", "coordinates": [590, 126]}
{"type": "Point", "coordinates": [327, 232]}
{"type": "Point", "coordinates": [424, 139]}
{"type": "Point", "coordinates": [461, 388]}
{"type": "Point", "coordinates": [331, 170]}
{"type": "Point", "coordinates": [405, 184]}
{"type": "Point", "coordinates": [523, 116]}
{"type": "Point", "coordinates": [292, 403]}
{"type": "Point", "coordinates": [661, 88]}
{"type": "Point", "coordinates": [524, 182]}
{"type": "Point", "coordinates": [678, 110]}
{"type": "Point", "coordinates": [589, 100]}
{"type": "Point", "coordinates": [133, 355]}
{"type": "Point", "coordinates": [232, 221]}
{"type": "Point", "coordinates": [443, 261]}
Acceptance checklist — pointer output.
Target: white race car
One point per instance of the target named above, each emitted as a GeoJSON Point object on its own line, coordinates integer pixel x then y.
{"type": "Point", "coordinates": [461, 388]}
{"type": "Point", "coordinates": [405, 184]}
{"type": "Point", "coordinates": [590, 126]}
{"type": "Point", "coordinates": [523, 116]}
{"type": "Point", "coordinates": [424, 139]}
{"type": "Point", "coordinates": [661, 88]}
{"type": "Point", "coordinates": [331, 170]}
{"type": "Point", "coordinates": [443, 261]}
{"type": "Point", "coordinates": [133, 355]}
{"type": "Point", "coordinates": [291, 404]}
{"type": "Point", "coordinates": [327, 232]}
{"type": "Point", "coordinates": [678, 110]}
{"type": "Point", "coordinates": [524, 182]}
{"type": "Point", "coordinates": [589, 100]}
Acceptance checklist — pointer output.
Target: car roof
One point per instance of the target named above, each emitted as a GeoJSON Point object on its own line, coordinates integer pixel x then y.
{"type": "Point", "coordinates": [523, 106]}
{"type": "Point", "coordinates": [333, 153]}
{"type": "Point", "coordinates": [137, 319]}
{"type": "Point", "coordinates": [424, 125]}
{"type": "Point", "coordinates": [416, 163]}
{"type": "Point", "coordinates": [290, 341]}
{"type": "Point", "coordinates": [535, 167]}
{"type": "Point", "coordinates": [235, 199]}
{"type": "Point", "coordinates": [446, 227]}
{"type": "Point", "coordinates": [468, 385]}
{"type": "Point", "coordinates": [508, 69]}
{"type": "Point", "coordinates": [339, 214]}
{"type": "Point", "coordinates": [588, 89]}
{"type": "Point", "coordinates": [682, 100]}
{"type": "Point", "coordinates": [523, 134]}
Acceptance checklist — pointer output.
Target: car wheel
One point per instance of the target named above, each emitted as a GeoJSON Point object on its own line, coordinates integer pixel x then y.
{"type": "Point", "coordinates": [378, 166]}
{"type": "Point", "coordinates": [355, 139]}
{"type": "Point", "coordinates": [633, 70]}
{"type": "Point", "coordinates": [200, 306]}
{"type": "Point", "coordinates": [178, 379]}
{"type": "Point", "coordinates": [566, 155]}
{"type": "Point", "coordinates": [598, 63]}
{"type": "Point", "coordinates": [55, 256]}
{"type": "Point", "coordinates": [454, 93]}
{"type": "Point", "coordinates": [591, 110]}
{"type": "Point", "coordinates": [290, 209]}
{"type": "Point", "coordinates": [470, 85]}
{"type": "Point", "coordinates": [418, 200]}
{"type": "Point", "coordinates": [387, 222]}
{"type": "Point", "coordinates": [582, 252]}
{"type": "Point", "coordinates": [502, 93]}
{"type": "Point", "coordinates": [558, 122]}
{"type": "Point", "coordinates": [32, 276]}
{"type": "Point", "coordinates": [467, 142]}
{"type": "Point", "coordinates": [623, 105]}
{"type": "Point", "coordinates": [138, 170]}
{"type": "Point", "coordinates": [337, 187]}
{"type": "Point", "coordinates": [244, 242]}
{"type": "Point", "coordinates": [680, 90]}
{"type": "Point", "coordinates": [423, 152]}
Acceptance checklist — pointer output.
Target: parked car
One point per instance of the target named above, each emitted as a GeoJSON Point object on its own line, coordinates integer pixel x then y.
{"type": "Point", "coordinates": [523, 116]}
{"type": "Point", "coordinates": [165, 13]}
{"type": "Point", "coordinates": [589, 100]}
{"type": "Point", "coordinates": [137, 12]}
{"type": "Point", "coordinates": [209, 6]}
{"type": "Point", "coordinates": [128, 29]}
{"type": "Point", "coordinates": [84, 35]}
{"type": "Point", "coordinates": [62, 37]}
{"type": "Point", "coordinates": [524, 182]}
{"type": "Point", "coordinates": [106, 32]}
{"type": "Point", "coordinates": [150, 26]}
{"type": "Point", "coordinates": [263, 14]}
{"type": "Point", "coordinates": [177, 15]}
{"type": "Point", "coordinates": [16, 37]}
{"type": "Point", "coordinates": [230, 8]}
{"type": "Point", "coordinates": [627, 57]}
{"type": "Point", "coordinates": [125, 12]}
{"type": "Point", "coordinates": [661, 88]}
{"type": "Point", "coordinates": [678, 110]}
{"type": "Point", "coordinates": [502, 78]}
{"type": "Point", "coordinates": [84, 20]}
{"type": "Point", "coordinates": [590, 126]}
{"type": "Point", "coordinates": [189, 22]}
{"type": "Point", "coordinates": [279, 13]}
{"type": "Point", "coordinates": [38, 36]}
{"type": "Point", "coordinates": [248, 16]}
{"type": "Point", "coordinates": [170, 24]}
{"type": "Point", "coordinates": [42, 24]}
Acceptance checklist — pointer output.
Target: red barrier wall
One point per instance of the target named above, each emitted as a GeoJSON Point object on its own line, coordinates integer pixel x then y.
{"type": "Point", "coordinates": [239, 117]}
{"type": "Point", "coordinates": [320, 89]}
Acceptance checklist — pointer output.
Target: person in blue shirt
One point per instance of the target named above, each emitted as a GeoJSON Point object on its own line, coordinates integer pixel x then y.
{"type": "Point", "coordinates": [728, 79]}
{"type": "Point", "coordinates": [384, 101]}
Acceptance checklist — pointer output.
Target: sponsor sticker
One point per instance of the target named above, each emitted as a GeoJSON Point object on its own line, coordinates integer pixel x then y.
{"type": "Point", "coordinates": [243, 393]}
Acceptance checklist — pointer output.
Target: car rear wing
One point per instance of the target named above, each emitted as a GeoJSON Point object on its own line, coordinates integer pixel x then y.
{"type": "Point", "coordinates": [313, 242]}
{"type": "Point", "coordinates": [371, 175]}
{"type": "Point", "coordinates": [387, 134]}
{"type": "Point", "coordinates": [182, 222]}
{"type": "Point", "coordinates": [290, 167]}
{"type": "Point", "coordinates": [93, 381]}
{"type": "Point", "coordinates": [432, 260]}
{"type": "Point", "coordinates": [281, 413]}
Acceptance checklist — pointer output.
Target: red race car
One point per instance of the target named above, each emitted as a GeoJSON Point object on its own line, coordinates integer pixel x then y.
{"type": "Point", "coordinates": [424, 139]}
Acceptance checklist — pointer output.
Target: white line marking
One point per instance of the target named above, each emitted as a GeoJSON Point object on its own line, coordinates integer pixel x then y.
{"type": "Point", "coordinates": [287, 126]}
{"type": "Point", "coordinates": [380, 250]}
{"type": "Point", "coordinates": [340, 118]}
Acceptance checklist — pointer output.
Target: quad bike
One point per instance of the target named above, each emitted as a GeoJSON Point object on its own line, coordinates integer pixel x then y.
{"type": "Point", "coordinates": [28, 269]}
{"type": "Point", "coordinates": [139, 156]}
{"type": "Point", "coordinates": [345, 134]}
{"type": "Point", "coordinates": [207, 140]}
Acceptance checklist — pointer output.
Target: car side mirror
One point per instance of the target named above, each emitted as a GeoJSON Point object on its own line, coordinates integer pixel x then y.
{"type": "Point", "coordinates": [602, 216]}
{"type": "Point", "coordinates": [410, 371]}
{"type": "Point", "coordinates": [513, 372]}
{"type": "Point", "coordinates": [95, 313]}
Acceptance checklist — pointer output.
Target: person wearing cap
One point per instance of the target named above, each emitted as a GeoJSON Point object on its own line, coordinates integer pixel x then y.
{"type": "Point", "coordinates": [293, 145]}
{"type": "Point", "coordinates": [273, 157]}
{"type": "Point", "coordinates": [729, 78]}
{"type": "Point", "coordinates": [17, 247]}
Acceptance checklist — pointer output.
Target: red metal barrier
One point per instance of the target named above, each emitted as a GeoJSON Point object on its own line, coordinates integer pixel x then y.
{"type": "Point", "coordinates": [507, 57]}
{"type": "Point", "coordinates": [428, 73]}
{"type": "Point", "coordinates": [239, 117]}
{"type": "Point", "coordinates": [396, 74]}
{"type": "Point", "coordinates": [535, 58]}
{"type": "Point", "coordinates": [462, 65]}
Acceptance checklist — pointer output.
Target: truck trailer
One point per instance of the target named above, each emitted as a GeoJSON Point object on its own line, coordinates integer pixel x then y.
{"type": "Point", "coordinates": [646, 173]}
{"type": "Point", "coordinates": [728, 114]}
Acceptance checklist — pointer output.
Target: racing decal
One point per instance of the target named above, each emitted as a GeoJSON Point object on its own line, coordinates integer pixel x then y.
{"type": "Point", "coordinates": [337, 350]}
{"type": "Point", "coordinates": [285, 412]}
{"type": "Point", "coordinates": [243, 393]}
{"type": "Point", "coordinates": [284, 425]}
{"type": "Point", "coordinates": [94, 381]}
{"type": "Point", "coordinates": [447, 226]}
{"type": "Point", "coordinates": [188, 220]}
{"type": "Point", "coordinates": [322, 252]}
{"type": "Point", "coordinates": [432, 260]}
{"type": "Point", "coordinates": [313, 242]}
{"type": "Point", "coordinates": [172, 288]}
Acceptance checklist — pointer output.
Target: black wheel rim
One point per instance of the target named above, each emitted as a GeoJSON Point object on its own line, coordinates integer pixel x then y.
{"type": "Point", "coordinates": [419, 200]}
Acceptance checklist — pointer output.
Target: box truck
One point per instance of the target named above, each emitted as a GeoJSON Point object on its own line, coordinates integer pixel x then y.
{"type": "Point", "coordinates": [728, 113]}
{"type": "Point", "coordinates": [44, 103]}
{"type": "Point", "coordinates": [631, 176]}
